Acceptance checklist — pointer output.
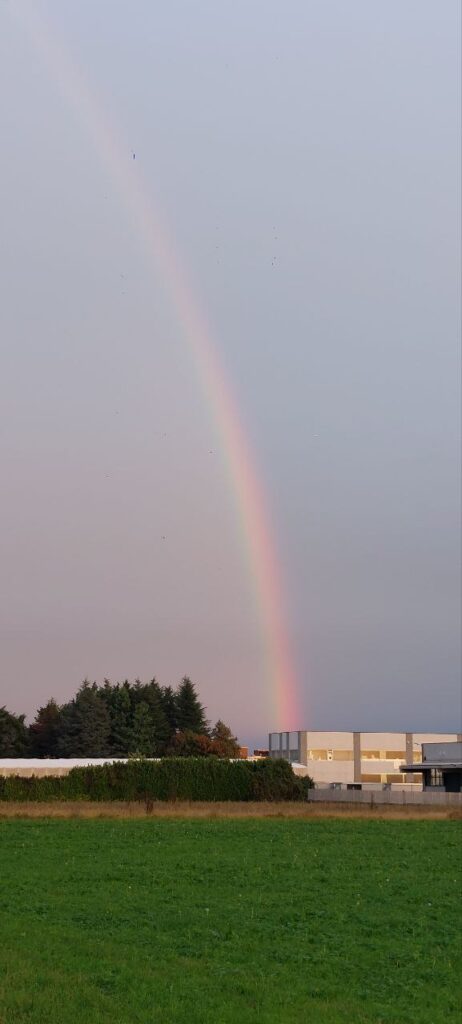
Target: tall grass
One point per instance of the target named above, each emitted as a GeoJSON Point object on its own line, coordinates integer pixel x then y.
{"type": "Point", "coordinates": [225, 809]}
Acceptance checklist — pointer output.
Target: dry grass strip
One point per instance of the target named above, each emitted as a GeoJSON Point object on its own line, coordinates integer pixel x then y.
{"type": "Point", "coordinates": [187, 809]}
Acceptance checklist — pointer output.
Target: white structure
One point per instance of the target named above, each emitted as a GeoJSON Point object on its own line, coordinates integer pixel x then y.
{"type": "Point", "coordinates": [28, 766]}
{"type": "Point", "coordinates": [369, 759]}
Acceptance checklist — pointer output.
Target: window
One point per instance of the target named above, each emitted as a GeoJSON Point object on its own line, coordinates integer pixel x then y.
{"type": "Point", "coordinates": [436, 777]}
{"type": "Point", "coordinates": [294, 748]}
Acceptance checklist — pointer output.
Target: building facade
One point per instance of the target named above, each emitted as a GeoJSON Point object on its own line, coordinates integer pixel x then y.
{"type": "Point", "coordinates": [356, 758]}
{"type": "Point", "coordinates": [441, 766]}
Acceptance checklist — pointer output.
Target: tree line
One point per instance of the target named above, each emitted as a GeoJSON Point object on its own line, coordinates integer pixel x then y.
{"type": "Point", "coordinates": [119, 720]}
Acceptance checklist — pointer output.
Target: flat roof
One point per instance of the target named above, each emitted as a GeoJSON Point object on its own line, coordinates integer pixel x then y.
{"type": "Point", "coordinates": [446, 766]}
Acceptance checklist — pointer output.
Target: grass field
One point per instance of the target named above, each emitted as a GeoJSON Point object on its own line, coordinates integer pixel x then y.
{"type": "Point", "coordinates": [230, 921]}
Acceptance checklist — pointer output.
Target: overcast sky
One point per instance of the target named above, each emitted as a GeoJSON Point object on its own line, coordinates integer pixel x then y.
{"type": "Point", "coordinates": [306, 158]}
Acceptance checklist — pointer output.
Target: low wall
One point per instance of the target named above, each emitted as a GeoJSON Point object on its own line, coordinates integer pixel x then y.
{"type": "Point", "coordinates": [375, 797]}
{"type": "Point", "coordinates": [55, 766]}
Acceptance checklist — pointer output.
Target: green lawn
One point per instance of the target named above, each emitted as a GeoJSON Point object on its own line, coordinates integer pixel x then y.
{"type": "Point", "coordinates": [230, 922]}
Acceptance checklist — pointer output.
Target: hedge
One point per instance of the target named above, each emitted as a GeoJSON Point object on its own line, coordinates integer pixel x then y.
{"type": "Point", "coordinates": [182, 778]}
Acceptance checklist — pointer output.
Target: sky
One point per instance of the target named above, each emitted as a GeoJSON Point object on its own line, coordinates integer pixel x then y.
{"type": "Point", "coordinates": [304, 158]}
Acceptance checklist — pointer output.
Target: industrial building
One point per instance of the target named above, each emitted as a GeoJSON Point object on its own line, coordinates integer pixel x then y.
{"type": "Point", "coordinates": [440, 767]}
{"type": "Point", "coordinates": [358, 759]}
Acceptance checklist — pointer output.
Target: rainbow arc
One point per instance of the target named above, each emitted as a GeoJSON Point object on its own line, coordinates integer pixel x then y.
{"type": "Point", "coordinates": [152, 232]}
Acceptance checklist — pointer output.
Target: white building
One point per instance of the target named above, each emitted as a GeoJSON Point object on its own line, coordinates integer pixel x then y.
{"type": "Point", "coordinates": [356, 758]}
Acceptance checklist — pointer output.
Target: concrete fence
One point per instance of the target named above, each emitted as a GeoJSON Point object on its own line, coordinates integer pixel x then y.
{"type": "Point", "coordinates": [373, 798]}
{"type": "Point", "coordinates": [29, 766]}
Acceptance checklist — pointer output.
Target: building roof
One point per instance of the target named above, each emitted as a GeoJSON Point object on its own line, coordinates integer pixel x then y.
{"type": "Point", "coordinates": [425, 766]}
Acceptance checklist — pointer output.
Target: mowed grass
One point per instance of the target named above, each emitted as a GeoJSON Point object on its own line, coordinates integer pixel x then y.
{"type": "Point", "coordinates": [231, 922]}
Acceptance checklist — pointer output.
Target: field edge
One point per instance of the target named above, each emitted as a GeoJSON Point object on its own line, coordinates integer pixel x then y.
{"type": "Point", "coordinates": [201, 809]}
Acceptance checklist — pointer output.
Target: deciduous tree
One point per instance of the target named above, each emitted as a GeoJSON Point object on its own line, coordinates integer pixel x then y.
{"type": "Point", "coordinates": [225, 744]}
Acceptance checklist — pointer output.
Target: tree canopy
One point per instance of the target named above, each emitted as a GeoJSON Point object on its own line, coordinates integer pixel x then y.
{"type": "Point", "coordinates": [119, 720]}
{"type": "Point", "coordinates": [13, 734]}
{"type": "Point", "coordinates": [190, 715]}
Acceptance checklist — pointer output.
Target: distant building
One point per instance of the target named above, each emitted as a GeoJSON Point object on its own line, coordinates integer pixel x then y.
{"type": "Point", "coordinates": [357, 758]}
{"type": "Point", "coordinates": [440, 767]}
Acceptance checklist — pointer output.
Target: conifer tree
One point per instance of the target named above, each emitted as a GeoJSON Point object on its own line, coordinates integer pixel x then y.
{"type": "Point", "coordinates": [151, 694]}
{"type": "Point", "coordinates": [85, 725]}
{"type": "Point", "coordinates": [44, 731]}
{"type": "Point", "coordinates": [190, 714]}
{"type": "Point", "coordinates": [116, 720]}
{"type": "Point", "coordinates": [13, 734]}
{"type": "Point", "coordinates": [143, 738]}
{"type": "Point", "coordinates": [169, 706]}
{"type": "Point", "coordinates": [118, 702]}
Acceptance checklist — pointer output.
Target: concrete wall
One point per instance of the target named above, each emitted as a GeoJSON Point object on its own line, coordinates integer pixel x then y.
{"type": "Point", "coordinates": [383, 741]}
{"type": "Point", "coordinates": [27, 767]}
{"type": "Point", "coordinates": [301, 769]}
{"type": "Point", "coordinates": [372, 798]}
{"type": "Point", "coordinates": [330, 756]}
{"type": "Point", "coordinates": [330, 771]}
{"type": "Point", "coordinates": [329, 741]}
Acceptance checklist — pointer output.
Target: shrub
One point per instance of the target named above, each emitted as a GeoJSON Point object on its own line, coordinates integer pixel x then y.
{"type": "Point", "coordinates": [275, 780]}
{"type": "Point", "coordinates": [181, 778]}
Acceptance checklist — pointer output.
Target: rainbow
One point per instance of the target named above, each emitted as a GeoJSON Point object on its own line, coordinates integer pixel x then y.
{"type": "Point", "coordinates": [248, 493]}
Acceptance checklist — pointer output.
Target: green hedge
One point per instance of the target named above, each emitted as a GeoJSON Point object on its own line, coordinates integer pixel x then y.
{"type": "Point", "coordinates": [182, 778]}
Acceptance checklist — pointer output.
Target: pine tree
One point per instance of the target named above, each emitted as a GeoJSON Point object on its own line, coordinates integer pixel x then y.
{"type": "Point", "coordinates": [44, 731]}
{"type": "Point", "coordinates": [118, 702]}
{"type": "Point", "coordinates": [13, 734]}
{"type": "Point", "coordinates": [85, 725]}
{"type": "Point", "coordinates": [169, 706]}
{"type": "Point", "coordinates": [151, 694]}
{"type": "Point", "coordinates": [68, 739]}
{"type": "Point", "coordinates": [190, 714]}
{"type": "Point", "coordinates": [143, 739]}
